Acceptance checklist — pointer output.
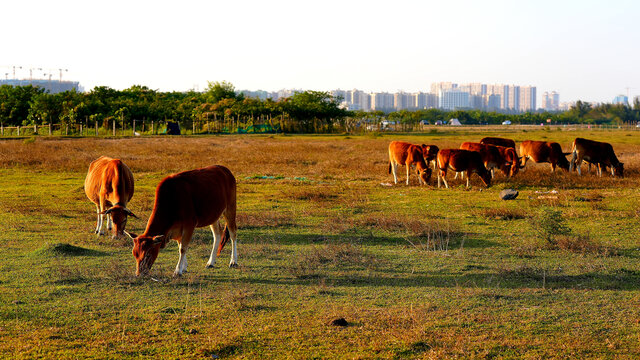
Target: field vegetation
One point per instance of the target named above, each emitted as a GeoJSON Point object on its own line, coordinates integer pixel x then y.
{"type": "Point", "coordinates": [416, 271]}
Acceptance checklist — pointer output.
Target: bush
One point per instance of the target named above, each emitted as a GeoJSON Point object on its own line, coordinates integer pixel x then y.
{"type": "Point", "coordinates": [549, 223]}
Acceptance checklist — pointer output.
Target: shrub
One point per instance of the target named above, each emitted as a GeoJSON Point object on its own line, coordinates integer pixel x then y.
{"type": "Point", "coordinates": [549, 223]}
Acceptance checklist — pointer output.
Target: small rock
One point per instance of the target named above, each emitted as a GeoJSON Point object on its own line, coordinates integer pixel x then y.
{"type": "Point", "coordinates": [193, 331]}
{"type": "Point", "coordinates": [339, 322]}
{"type": "Point", "coordinates": [508, 194]}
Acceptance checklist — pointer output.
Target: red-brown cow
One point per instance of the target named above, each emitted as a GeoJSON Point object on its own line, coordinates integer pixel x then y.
{"type": "Point", "coordinates": [595, 152]}
{"type": "Point", "coordinates": [492, 156]}
{"type": "Point", "coordinates": [183, 202]}
{"type": "Point", "coordinates": [542, 151]}
{"type": "Point", "coordinates": [403, 153]}
{"type": "Point", "coordinates": [462, 160]}
{"type": "Point", "coordinates": [109, 185]}
{"type": "Point", "coordinates": [499, 142]}
{"type": "Point", "coordinates": [430, 154]}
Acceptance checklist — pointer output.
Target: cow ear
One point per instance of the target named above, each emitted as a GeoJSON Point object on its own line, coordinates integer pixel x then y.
{"type": "Point", "coordinates": [158, 239]}
{"type": "Point", "coordinates": [130, 235]}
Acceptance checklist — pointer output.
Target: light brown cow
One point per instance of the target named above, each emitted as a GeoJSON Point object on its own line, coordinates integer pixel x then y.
{"type": "Point", "coordinates": [498, 141]}
{"type": "Point", "coordinates": [462, 160]}
{"type": "Point", "coordinates": [109, 184]}
{"type": "Point", "coordinates": [542, 151]}
{"type": "Point", "coordinates": [595, 152]}
{"type": "Point", "coordinates": [403, 153]}
{"type": "Point", "coordinates": [492, 156]}
{"type": "Point", "coordinates": [183, 202]}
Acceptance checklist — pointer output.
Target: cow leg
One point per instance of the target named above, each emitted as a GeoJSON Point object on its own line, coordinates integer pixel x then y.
{"type": "Point", "coordinates": [408, 168]}
{"type": "Point", "coordinates": [553, 168]}
{"type": "Point", "coordinates": [98, 221]}
{"type": "Point", "coordinates": [217, 237]}
{"type": "Point", "coordinates": [183, 246]}
{"type": "Point", "coordinates": [233, 234]}
{"type": "Point", "coordinates": [492, 172]}
{"type": "Point", "coordinates": [468, 177]}
{"type": "Point", "coordinates": [394, 169]}
{"type": "Point", "coordinates": [442, 175]}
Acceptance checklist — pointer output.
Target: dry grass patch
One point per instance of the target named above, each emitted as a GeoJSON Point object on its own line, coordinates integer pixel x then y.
{"type": "Point", "coordinates": [263, 219]}
{"type": "Point", "coordinates": [584, 245]}
{"type": "Point", "coordinates": [310, 263]}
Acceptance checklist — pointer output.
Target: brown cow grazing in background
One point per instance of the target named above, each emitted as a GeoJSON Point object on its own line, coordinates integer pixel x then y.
{"type": "Point", "coordinates": [595, 152]}
{"type": "Point", "coordinates": [542, 151]}
{"type": "Point", "coordinates": [430, 154]}
{"type": "Point", "coordinates": [183, 202]}
{"type": "Point", "coordinates": [491, 156]}
{"type": "Point", "coordinates": [499, 142]}
{"type": "Point", "coordinates": [109, 185]}
{"type": "Point", "coordinates": [462, 160]}
{"type": "Point", "coordinates": [403, 153]}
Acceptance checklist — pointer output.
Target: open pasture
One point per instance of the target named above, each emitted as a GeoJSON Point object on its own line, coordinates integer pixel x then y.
{"type": "Point", "coordinates": [417, 272]}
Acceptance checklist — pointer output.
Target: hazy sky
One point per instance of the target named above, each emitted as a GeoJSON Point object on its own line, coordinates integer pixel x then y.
{"type": "Point", "coordinates": [587, 50]}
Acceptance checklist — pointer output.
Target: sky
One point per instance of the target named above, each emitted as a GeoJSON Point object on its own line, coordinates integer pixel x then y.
{"type": "Point", "coordinates": [585, 50]}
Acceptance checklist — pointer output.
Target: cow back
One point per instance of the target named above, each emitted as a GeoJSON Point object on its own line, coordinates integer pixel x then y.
{"type": "Point", "coordinates": [499, 142]}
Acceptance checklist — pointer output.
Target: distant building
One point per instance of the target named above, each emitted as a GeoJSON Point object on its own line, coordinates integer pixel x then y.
{"type": "Point", "coordinates": [453, 99]}
{"type": "Point", "coordinates": [528, 98]}
{"type": "Point", "coordinates": [621, 99]}
{"type": "Point", "coordinates": [403, 101]}
{"type": "Point", "coordinates": [382, 101]}
{"type": "Point", "coordinates": [49, 86]}
{"type": "Point", "coordinates": [425, 100]}
{"type": "Point", "coordinates": [551, 101]}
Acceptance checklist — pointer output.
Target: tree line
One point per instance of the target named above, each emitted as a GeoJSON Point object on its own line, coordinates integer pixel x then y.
{"type": "Point", "coordinates": [223, 109]}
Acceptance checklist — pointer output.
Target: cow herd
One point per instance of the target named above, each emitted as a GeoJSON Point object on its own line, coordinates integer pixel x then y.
{"type": "Point", "coordinates": [492, 153]}
{"type": "Point", "coordinates": [183, 202]}
{"type": "Point", "coordinates": [201, 197]}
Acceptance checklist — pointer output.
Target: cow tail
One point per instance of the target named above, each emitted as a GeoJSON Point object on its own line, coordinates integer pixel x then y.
{"type": "Point", "coordinates": [223, 241]}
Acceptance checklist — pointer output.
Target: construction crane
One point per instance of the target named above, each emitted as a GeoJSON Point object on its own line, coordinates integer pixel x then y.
{"type": "Point", "coordinates": [61, 73]}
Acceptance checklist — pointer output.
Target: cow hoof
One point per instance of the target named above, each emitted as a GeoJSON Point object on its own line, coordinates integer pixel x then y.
{"type": "Point", "coordinates": [208, 266]}
{"type": "Point", "coordinates": [233, 266]}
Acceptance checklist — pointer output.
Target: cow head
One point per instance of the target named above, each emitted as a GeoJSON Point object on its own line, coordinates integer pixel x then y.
{"type": "Point", "coordinates": [485, 176]}
{"type": "Point", "coordinates": [513, 158]}
{"type": "Point", "coordinates": [425, 175]}
{"type": "Point", "coordinates": [145, 251]}
{"type": "Point", "coordinates": [618, 170]}
{"type": "Point", "coordinates": [119, 215]}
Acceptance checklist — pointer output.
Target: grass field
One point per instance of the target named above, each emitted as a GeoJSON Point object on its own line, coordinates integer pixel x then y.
{"type": "Point", "coordinates": [417, 272]}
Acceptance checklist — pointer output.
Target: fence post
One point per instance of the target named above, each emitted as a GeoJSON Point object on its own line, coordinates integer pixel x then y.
{"type": "Point", "coordinates": [2, 129]}
{"type": "Point", "coordinates": [114, 127]}
{"type": "Point", "coordinates": [35, 129]}
{"type": "Point", "coordinates": [96, 127]}
{"type": "Point", "coordinates": [152, 128]}
{"type": "Point", "coordinates": [18, 130]}
{"type": "Point", "coordinates": [133, 131]}
{"type": "Point", "coordinates": [50, 130]}
{"type": "Point", "coordinates": [193, 127]}
{"type": "Point", "coordinates": [81, 130]}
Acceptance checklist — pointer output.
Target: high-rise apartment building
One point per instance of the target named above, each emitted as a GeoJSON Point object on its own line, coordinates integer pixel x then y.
{"type": "Point", "coordinates": [528, 98]}
{"type": "Point", "coordinates": [404, 101]}
{"type": "Point", "coordinates": [453, 99]}
{"type": "Point", "coordinates": [425, 100]}
{"type": "Point", "coordinates": [382, 101]}
{"type": "Point", "coordinates": [551, 101]}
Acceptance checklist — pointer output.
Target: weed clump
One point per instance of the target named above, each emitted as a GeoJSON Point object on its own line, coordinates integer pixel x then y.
{"type": "Point", "coordinates": [549, 223]}
{"type": "Point", "coordinates": [66, 250]}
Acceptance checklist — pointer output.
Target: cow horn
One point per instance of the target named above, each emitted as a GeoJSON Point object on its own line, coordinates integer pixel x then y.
{"type": "Point", "coordinates": [130, 235]}
{"type": "Point", "coordinates": [130, 213]}
{"type": "Point", "coordinates": [158, 239]}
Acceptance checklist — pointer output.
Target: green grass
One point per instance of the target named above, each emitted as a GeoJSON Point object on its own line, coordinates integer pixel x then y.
{"type": "Point", "coordinates": [320, 239]}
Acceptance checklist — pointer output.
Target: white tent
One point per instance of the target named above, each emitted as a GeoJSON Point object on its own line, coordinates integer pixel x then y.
{"type": "Point", "coordinates": [454, 122]}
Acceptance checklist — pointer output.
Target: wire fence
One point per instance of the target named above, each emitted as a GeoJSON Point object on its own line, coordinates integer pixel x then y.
{"type": "Point", "coordinates": [115, 128]}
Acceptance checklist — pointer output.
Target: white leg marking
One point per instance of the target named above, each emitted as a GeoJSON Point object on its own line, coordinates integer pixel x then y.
{"type": "Point", "coordinates": [234, 248]}
{"type": "Point", "coordinates": [408, 174]}
{"type": "Point", "coordinates": [182, 261]}
{"type": "Point", "coordinates": [394, 169]}
{"type": "Point", "coordinates": [217, 237]}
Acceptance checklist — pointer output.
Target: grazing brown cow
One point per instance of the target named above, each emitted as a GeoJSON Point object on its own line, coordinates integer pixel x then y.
{"type": "Point", "coordinates": [542, 151]}
{"type": "Point", "coordinates": [491, 156]}
{"type": "Point", "coordinates": [403, 153]}
{"type": "Point", "coordinates": [430, 154]}
{"type": "Point", "coordinates": [595, 152]}
{"type": "Point", "coordinates": [109, 185]}
{"type": "Point", "coordinates": [462, 160]}
{"type": "Point", "coordinates": [499, 142]}
{"type": "Point", "coordinates": [183, 202]}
